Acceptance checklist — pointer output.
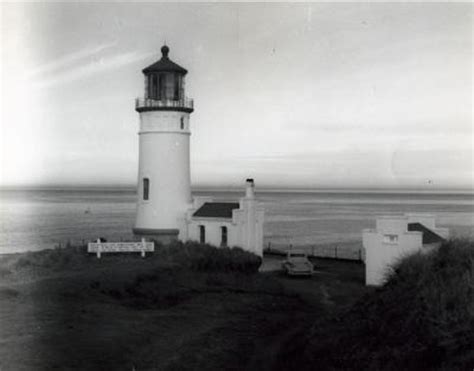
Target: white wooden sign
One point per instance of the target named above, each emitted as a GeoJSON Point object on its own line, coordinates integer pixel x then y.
{"type": "Point", "coordinates": [105, 247]}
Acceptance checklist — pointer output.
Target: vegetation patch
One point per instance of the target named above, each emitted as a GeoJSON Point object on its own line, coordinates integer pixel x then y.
{"type": "Point", "coordinates": [204, 257]}
{"type": "Point", "coordinates": [423, 318]}
{"type": "Point", "coordinates": [8, 293]}
{"type": "Point", "coordinates": [52, 259]}
{"type": "Point", "coordinates": [185, 306]}
{"type": "Point", "coordinates": [192, 306]}
{"type": "Point", "coordinates": [190, 255]}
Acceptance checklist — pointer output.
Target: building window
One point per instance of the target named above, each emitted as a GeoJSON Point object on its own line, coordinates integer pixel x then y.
{"type": "Point", "coordinates": [182, 123]}
{"type": "Point", "coordinates": [146, 188]}
{"type": "Point", "coordinates": [202, 234]}
{"type": "Point", "coordinates": [390, 238]}
{"type": "Point", "coordinates": [223, 236]}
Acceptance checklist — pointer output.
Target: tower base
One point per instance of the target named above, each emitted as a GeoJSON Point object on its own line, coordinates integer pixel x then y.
{"type": "Point", "coordinates": [165, 236]}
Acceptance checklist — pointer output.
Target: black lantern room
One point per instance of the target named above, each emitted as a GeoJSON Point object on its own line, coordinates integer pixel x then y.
{"type": "Point", "coordinates": [164, 79]}
{"type": "Point", "coordinates": [164, 85]}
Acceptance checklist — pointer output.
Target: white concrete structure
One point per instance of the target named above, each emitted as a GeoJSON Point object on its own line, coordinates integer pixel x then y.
{"type": "Point", "coordinates": [164, 181]}
{"type": "Point", "coordinates": [395, 237]}
{"type": "Point", "coordinates": [165, 208]}
{"type": "Point", "coordinates": [227, 223]}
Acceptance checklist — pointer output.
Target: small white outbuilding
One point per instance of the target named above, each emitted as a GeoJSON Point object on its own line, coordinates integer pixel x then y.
{"type": "Point", "coordinates": [226, 223]}
{"type": "Point", "coordinates": [395, 237]}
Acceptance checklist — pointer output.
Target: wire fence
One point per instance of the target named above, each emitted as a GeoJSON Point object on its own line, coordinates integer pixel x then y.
{"type": "Point", "coordinates": [322, 251]}
{"type": "Point", "coordinates": [344, 252]}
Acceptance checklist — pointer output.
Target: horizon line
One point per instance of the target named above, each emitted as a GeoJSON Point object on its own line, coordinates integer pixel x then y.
{"type": "Point", "coordinates": [235, 188]}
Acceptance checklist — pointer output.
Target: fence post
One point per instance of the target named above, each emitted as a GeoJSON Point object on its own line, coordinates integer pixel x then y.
{"type": "Point", "coordinates": [335, 252]}
{"type": "Point", "coordinates": [360, 254]}
{"type": "Point", "coordinates": [98, 248]}
{"type": "Point", "coordinates": [143, 247]}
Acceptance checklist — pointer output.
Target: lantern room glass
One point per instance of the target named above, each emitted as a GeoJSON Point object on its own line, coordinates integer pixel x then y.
{"type": "Point", "coordinates": [165, 86]}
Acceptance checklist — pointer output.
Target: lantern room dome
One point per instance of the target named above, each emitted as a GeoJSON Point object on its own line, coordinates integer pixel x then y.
{"type": "Point", "coordinates": [165, 64]}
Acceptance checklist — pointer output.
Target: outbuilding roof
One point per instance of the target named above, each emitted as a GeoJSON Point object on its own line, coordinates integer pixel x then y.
{"type": "Point", "coordinates": [216, 210]}
{"type": "Point", "coordinates": [165, 64]}
{"type": "Point", "coordinates": [428, 235]}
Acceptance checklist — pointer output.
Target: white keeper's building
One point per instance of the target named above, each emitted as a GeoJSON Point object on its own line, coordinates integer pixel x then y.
{"type": "Point", "coordinates": [395, 237]}
{"type": "Point", "coordinates": [166, 209]}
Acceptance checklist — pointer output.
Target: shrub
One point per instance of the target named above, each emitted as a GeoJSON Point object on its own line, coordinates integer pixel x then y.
{"type": "Point", "coordinates": [52, 259]}
{"type": "Point", "coordinates": [190, 255]}
{"type": "Point", "coordinates": [4, 272]}
{"type": "Point", "coordinates": [204, 257]}
{"type": "Point", "coordinates": [423, 318]}
{"type": "Point", "coordinates": [8, 293]}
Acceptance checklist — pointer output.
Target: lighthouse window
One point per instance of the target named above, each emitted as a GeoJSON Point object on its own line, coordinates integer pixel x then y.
{"type": "Point", "coordinates": [154, 87]}
{"type": "Point", "coordinates": [169, 87]}
{"type": "Point", "coordinates": [202, 234]}
{"type": "Point", "coordinates": [223, 236]}
{"type": "Point", "coordinates": [176, 87]}
{"type": "Point", "coordinates": [162, 89]}
{"type": "Point", "coordinates": [146, 188]}
{"type": "Point", "coordinates": [182, 123]}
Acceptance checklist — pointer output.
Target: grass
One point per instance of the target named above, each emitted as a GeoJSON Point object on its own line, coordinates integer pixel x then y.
{"type": "Point", "coordinates": [186, 306]}
{"type": "Point", "coordinates": [190, 255]}
{"type": "Point", "coordinates": [204, 257]}
{"type": "Point", "coordinates": [423, 318]}
{"type": "Point", "coordinates": [190, 306]}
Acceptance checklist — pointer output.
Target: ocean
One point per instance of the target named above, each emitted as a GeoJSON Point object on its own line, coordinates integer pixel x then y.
{"type": "Point", "coordinates": [41, 219]}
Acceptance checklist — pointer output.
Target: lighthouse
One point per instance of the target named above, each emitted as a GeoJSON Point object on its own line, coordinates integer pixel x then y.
{"type": "Point", "coordinates": [164, 189]}
{"type": "Point", "coordinates": [166, 209]}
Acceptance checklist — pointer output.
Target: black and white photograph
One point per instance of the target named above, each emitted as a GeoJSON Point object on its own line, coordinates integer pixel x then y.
{"type": "Point", "coordinates": [236, 186]}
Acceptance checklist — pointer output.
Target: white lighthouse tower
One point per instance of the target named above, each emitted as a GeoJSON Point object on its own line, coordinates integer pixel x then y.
{"type": "Point", "coordinates": [164, 190]}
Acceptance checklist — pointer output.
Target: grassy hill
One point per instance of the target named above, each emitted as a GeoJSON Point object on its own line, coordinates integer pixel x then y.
{"type": "Point", "coordinates": [189, 306]}
{"type": "Point", "coordinates": [62, 309]}
{"type": "Point", "coordinates": [422, 319]}
{"type": "Point", "coordinates": [185, 307]}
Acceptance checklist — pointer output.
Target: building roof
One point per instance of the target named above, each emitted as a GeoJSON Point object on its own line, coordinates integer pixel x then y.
{"type": "Point", "coordinates": [165, 64]}
{"type": "Point", "coordinates": [216, 210]}
{"type": "Point", "coordinates": [428, 235]}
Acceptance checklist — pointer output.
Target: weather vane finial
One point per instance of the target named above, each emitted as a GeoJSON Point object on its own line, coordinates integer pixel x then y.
{"type": "Point", "coordinates": [164, 51]}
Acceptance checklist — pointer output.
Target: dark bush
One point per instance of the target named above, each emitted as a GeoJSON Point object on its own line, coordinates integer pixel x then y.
{"type": "Point", "coordinates": [189, 255]}
{"type": "Point", "coordinates": [423, 318]}
{"type": "Point", "coordinates": [52, 259]}
{"type": "Point", "coordinates": [8, 293]}
{"type": "Point", "coordinates": [203, 257]}
{"type": "Point", "coordinates": [4, 272]}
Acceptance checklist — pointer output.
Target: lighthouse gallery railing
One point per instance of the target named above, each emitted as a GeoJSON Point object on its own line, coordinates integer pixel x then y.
{"type": "Point", "coordinates": [154, 103]}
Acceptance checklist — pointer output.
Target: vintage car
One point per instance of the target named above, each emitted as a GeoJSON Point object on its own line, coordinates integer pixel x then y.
{"type": "Point", "coordinates": [297, 263]}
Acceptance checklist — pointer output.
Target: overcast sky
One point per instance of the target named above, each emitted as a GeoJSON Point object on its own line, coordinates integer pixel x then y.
{"type": "Point", "coordinates": [294, 95]}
